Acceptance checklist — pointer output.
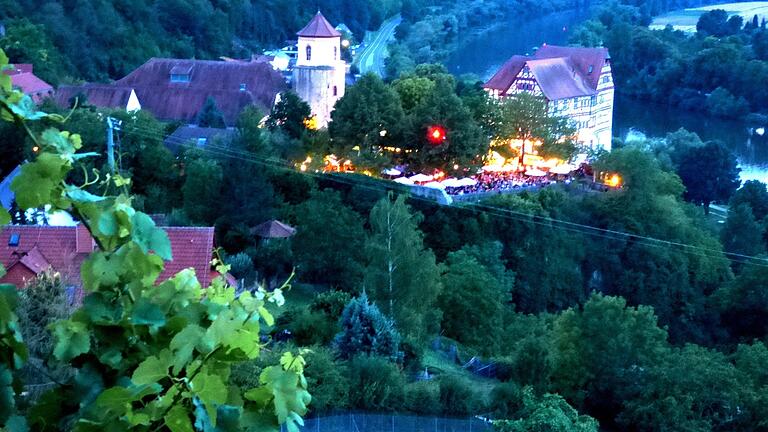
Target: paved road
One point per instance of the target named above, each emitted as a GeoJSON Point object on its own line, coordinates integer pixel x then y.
{"type": "Point", "coordinates": [371, 59]}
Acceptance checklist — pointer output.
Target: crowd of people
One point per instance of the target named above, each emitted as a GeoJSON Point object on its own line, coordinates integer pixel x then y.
{"type": "Point", "coordinates": [503, 181]}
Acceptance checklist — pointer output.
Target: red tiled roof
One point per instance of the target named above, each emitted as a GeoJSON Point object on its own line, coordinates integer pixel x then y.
{"type": "Point", "coordinates": [561, 72]}
{"type": "Point", "coordinates": [182, 101]}
{"type": "Point", "coordinates": [319, 27]}
{"type": "Point", "coordinates": [23, 78]}
{"type": "Point", "coordinates": [43, 246]}
{"type": "Point", "coordinates": [100, 95]}
{"type": "Point", "coordinates": [504, 77]}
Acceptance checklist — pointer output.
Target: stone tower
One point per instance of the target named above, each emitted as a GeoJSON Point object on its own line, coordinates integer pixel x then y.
{"type": "Point", "coordinates": [319, 75]}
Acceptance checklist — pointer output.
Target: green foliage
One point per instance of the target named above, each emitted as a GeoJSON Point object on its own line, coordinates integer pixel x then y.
{"type": "Point", "coordinates": [721, 169]}
{"type": "Point", "coordinates": [740, 231]}
{"type": "Point", "coordinates": [458, 396]}
{"type": "Point", "coordinates": [202, 189]}
{"type": "Point", "coordinates": [328, 380]}
{"type": "Point", "coordinates": [423, 397]}
{"type": "Point", "coordinates": [241, 265]}
{"type": "Point", "coordinates": [289, 115]}
{"type": "Point", "coordinates": [375, 384]}
{"type": "Point", "coordinates": [402, 276]}
{"type": "Point", "coordinates": [547, 413]}
{"type": "Point", "coordinates": [209, 115]}
{"type": "Point", "coordinates": [754, 194]}
{"type": "Point", "coordinates": [365, 330]}
{"type": "Point", "coordinates": [146, 356]}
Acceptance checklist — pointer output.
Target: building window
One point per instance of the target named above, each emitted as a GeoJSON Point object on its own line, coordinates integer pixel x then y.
{"type": "Point", "coordinates": [201, 142]}
{"type": "Point", "coordinates": [606, 79]}
{"type": "Point", "coordinates": [593, 101]}
{"type": "Point", "coordinates": [309, 52]}
{"type": "Point", "coordinates": [335, 91]}
{"type": "Point", "coordinates": [591, 68]}
{"type": "Point", "coordinates": [575, 103]}
{"type": "Point", "coordinates": [243, 87]}
{"type": "Point", "coordinates": [335, 53]}
{"type": "Point", "coordinates": [179, 78]}
{"type": "Point", "coordinates": [14, 239]}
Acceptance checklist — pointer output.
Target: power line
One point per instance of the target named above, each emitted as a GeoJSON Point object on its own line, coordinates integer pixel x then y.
{"type": "Point", "coordinates": [545, 221]}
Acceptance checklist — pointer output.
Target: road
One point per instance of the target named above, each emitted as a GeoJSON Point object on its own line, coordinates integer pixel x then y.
{"type": "Point", "coordinates": [371, 59]}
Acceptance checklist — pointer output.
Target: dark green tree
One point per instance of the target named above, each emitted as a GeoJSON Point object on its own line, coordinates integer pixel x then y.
{"type": "Point", "coordinates": [549, 412]}
{"type": "Point", "coordinates": [209, 115]}
{"type": "Point", "coordinates": [740, 232]}
{"type": "Point", "coordinates": [290, 115]}
{"type": "Point", "coordinates": [202, 189]}
{"type": "Point", "coordinates": [754, 194]}
{"type": "Point", "coordinates": [709, 173]}
{"type": "Point", "coordinates": [714, 23]}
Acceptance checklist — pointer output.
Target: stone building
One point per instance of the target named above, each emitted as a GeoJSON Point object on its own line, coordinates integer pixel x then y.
{"type": "Point", "coordinates": [319, 75]}
{"type": "Point", "coordinates": [576, 82]}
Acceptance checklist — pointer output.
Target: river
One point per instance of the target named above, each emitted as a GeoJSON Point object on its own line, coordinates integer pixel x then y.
{"type": "Point", "coordinates": [482, 55]}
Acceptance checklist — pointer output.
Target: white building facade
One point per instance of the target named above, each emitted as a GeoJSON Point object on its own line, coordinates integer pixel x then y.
{"type": "Point", "coordinates": [319, 75]}
{"type": "Point", "coordinates": [576, 82]}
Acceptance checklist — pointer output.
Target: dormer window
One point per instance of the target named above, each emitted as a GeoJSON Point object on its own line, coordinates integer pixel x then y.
{"type": "Point", "coordinates": [201, 142]}
{"type": "Point", "coordinates": [243, 87]}
{"type": "Point", "coordinates": [309, 52]}
{"type": "Point", "coordinates": [181, 73]}
{"type": "Point", "coordinates": [14, 239]}
{"type": "Point", "coordinates": [590, 69]}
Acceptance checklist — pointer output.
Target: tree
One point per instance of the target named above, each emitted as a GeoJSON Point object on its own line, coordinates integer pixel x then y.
{"type": "Point", "coordinates": [329, 242]}
{"type": "Point", "coordinates": [754, 194]}
{"type": "Point", "coordinates": [290, 114]}
{"type": "Point", "coordinates": [740, 231]}
{"type": "Point", "coordinates": [147, 355]}
{"type": "Point", "coordinates": [549, 412]}
{"type": "Point", "coordinates": [369, 116]}
{"type": "Point", "coordinates": [709, 173]}
{"type": "Point", "coordinates": [402, 276]}
{"type": "Point", "coordinates": [209, 115]}
{"type": "Point", "coordinates": [743, 303]}
{"type": "Point", "coordinates": [525, 118]}
{"type": "Point", "coordinates": [474, 297]}
{"type": "Point", "coordinates": [202, 189]}
{"type": "Point", "coordinates": [365, 330]}
{"type": "Point", "coordinates": [714, 23]}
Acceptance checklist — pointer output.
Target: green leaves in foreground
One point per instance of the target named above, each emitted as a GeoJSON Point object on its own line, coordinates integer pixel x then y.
{"type": "Point", "coordinates": [145, 356]}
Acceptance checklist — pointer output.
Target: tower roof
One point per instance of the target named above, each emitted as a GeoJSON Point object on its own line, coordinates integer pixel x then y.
{"type": "Point", "coordinates": [319, 27]}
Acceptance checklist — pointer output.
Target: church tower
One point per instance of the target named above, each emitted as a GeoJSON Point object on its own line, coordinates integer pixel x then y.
{"type": "Point", "coordinates": [319, 76]}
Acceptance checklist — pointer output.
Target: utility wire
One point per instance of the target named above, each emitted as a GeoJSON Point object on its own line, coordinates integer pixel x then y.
{"type": "Point", "coordinates": [554, 223]}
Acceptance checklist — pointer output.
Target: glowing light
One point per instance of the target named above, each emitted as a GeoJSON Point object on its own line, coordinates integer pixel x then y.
{"type": "Point", "coordinates": [303, 167]}
{"type": "Point", "coordinates": [436, 134]}
{"type": "Point", "coordinates": [614, 181]}
{"type": "Point", "coordinates": [311, 123]}
{"type": "Point", "coordinates": [383, 133]}
{"type": "Point", "coordinates": [345, 43]}
{"type": "Point", "coordinates": [35, 149]}
{"type": "Point", "coordinates": [455, 166]}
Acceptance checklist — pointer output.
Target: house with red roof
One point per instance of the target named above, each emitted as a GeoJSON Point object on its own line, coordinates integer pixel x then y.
{"type": "Point", "coordinates": [176, 89]}
{"type": "Point", "coordinates": [576, 82]}
{"type": "Point", "coordinates": [28, 250]}
{"type": "Point", "coordinates": [23, 79]}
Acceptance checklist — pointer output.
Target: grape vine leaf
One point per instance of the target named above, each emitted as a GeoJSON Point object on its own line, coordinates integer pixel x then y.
{"type": "Point", "coordinates": [149, 237]}
{"type": "Point", "coordinates": [72, 339]}
{"type": "Point", "coordinates": [177, 420]}
{"type": "Point", "coordinates": [152, 369]}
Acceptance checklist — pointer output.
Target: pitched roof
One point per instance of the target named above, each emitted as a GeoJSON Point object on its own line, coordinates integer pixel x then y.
{"type": "Point", "coordinates": [587, 61]}
{"type": "Point", "coordinates": [43, 246]}
{"type": "Point", "coordinates": [561, 72]}
{"type": "Point", "coordinates": [23, 78]}
{"type": "Point", "coordinates": [558, 79]}
{"type": "Point", "coordinates": [100, 95]}
{"type": "Point", "coordinates": [318, 27]}
{"type": "Point", "coordinates": [273, 229]}
{"type": "Point", "coordinates": [232, 84]}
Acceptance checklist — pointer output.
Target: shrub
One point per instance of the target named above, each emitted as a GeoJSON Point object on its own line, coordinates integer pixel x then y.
{"type": "Point", "coordinates": [241, 265]}
{"type": "Point", "coordinates": [310, 328]}
{"type": "Point", "coordinates": [330, 303]}
{"type": "Point", "coordinates": [375, 383]}
{"type": "Point", "coordinates": [327, 380]}
{"type": "Point", "coordinates": [506, 400]}
{"type": "Point", "coordinates": [365, 330]}
{"type": "Point", "coordinates": [423, 397]}
{"type": "Point", "coordinates": [458, 397]}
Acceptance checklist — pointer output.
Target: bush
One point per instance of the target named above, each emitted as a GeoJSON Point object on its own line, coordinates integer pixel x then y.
{"type": "Point", "coordinates": [309, 328]}
{"type": "Point", "coordinates": [458, 397]}
{"type": "Point", "coordinates": [330, 303]}
{"type": "Point", "coordinates": [242, 265]}
{"type": "Point", "coordinates": [423, 397]}
{"type": "Point", "coordinates": [365, 330]}
{"type": "Point", "coordinates": [327, 381]}
{"type": "Point", "coordinates": [506, 400]}
{"type": "Point", "coordinates": [375, 384]}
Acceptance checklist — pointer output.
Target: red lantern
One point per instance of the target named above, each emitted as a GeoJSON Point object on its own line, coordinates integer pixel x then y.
{"type": "Point", "coordinates": [436, 134]}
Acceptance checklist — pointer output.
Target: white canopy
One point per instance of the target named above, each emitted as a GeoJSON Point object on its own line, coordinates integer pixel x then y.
{"type": "Point", "coordinates": [534, 172]}
{"type": "Point", "coordinates": [392, 172]}
{"type": "Point", "coordinates": [466, 181]}
{"type": "Point", "coordinates": [435, 185]}
{"type": "Point", "coordinates": [563, 169]}
{"type": "Point", "coordinates": [451, 182]}
{"type": "Point", "coordinates": [420, 178]}
{"type": "Point", "coordinates": [403, 180]}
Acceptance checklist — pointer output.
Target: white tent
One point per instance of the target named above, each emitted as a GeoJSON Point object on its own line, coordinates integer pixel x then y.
{"type": "Point", "coordinates": [452, 182]}
{"type": "Point", "coordinates": [392, 172]}
{"type": "Point", "coordinates": [534, 172]}
{"type": "Point", "coordinates": [435, 185]}
{"type": "Point", "coordinates": [421, 178]}
{"type": "Point", "coordinates": [403, 180]}
{"type": "Point", "coordinates": [563, 169]}
{"type": "Point", "coordinates": [466, 181]}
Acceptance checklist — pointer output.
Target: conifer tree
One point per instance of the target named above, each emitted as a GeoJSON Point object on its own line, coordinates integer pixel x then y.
{"type": "Point", "coordinates": [209, 115]}
{"type": "Point", "coordinates": [365, 330]}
